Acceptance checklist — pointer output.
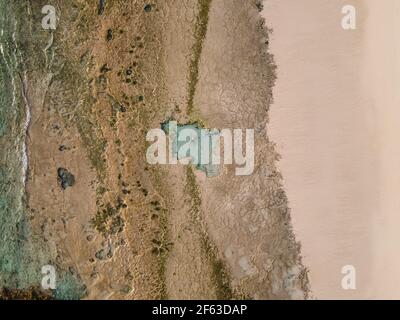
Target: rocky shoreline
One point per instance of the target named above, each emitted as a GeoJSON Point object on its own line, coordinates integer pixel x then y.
{"type": "Point", "coordinates": [114, 226]}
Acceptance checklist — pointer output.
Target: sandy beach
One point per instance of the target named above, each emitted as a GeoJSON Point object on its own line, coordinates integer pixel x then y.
{"type": "Point", "coordinates": [78, 193]}
{"type": "Point", "coordinates": [336, 125]}
{"type": "Point", "coordinates": [382, 63]}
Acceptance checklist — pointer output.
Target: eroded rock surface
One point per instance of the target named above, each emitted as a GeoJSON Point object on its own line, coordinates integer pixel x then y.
{"type": "Point", "coordinates": [130, 230]}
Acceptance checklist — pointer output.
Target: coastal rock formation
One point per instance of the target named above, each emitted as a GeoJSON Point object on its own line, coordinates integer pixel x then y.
{"type": "Point", "coordinates": [107, 75]}
{"type": "Point", "coordinates": [66, 178]}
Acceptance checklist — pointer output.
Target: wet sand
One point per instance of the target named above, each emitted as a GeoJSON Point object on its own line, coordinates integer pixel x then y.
{"type": "Point", "coordinates": [335, 124]}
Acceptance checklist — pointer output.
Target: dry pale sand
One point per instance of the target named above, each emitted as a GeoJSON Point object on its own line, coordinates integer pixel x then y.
{"type": "Point", "coordinates": [335, 122]}
{"type": "Point", "coordinates": [382, 61]}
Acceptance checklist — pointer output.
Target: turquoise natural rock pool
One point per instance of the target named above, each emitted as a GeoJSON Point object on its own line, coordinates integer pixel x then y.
{"type": "Point", "coordinates": [195, 149]}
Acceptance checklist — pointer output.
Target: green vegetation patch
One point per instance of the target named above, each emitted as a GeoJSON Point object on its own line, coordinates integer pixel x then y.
{"type": "Point", "coordinates": [199, 35]}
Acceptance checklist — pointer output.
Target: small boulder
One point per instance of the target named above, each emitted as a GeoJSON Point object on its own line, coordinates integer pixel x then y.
{"type": "Point", "coordinates": [66, 178]}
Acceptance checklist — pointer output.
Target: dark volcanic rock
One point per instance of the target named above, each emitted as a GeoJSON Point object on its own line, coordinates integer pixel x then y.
{"type": "Point", "coordinates": [66, 178]}
{"type": "Point", "coordinates": [102, 5]}
{"type": "Point", "coordinates": [62, 147]}
{"type": "Point", "coordinates": [109, 36]}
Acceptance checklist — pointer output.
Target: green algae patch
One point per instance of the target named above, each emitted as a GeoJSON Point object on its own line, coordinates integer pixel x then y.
{"type": "Point", "coordinates": [199, 35]}
{"type": "Point", "coordinates": [69, 287]}
{"type": "Point", "coordinates": [220, 275]}
{"type": "Point", "coordinates": [161, 248]}
{"type": "Point", "coordinates": [108, 219]}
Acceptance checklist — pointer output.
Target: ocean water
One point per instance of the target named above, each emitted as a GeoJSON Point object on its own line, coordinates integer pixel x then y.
{"type": "Point", "coordinates": [22, 252]}
{"type": "Point", "coordinates": [13, 230]}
